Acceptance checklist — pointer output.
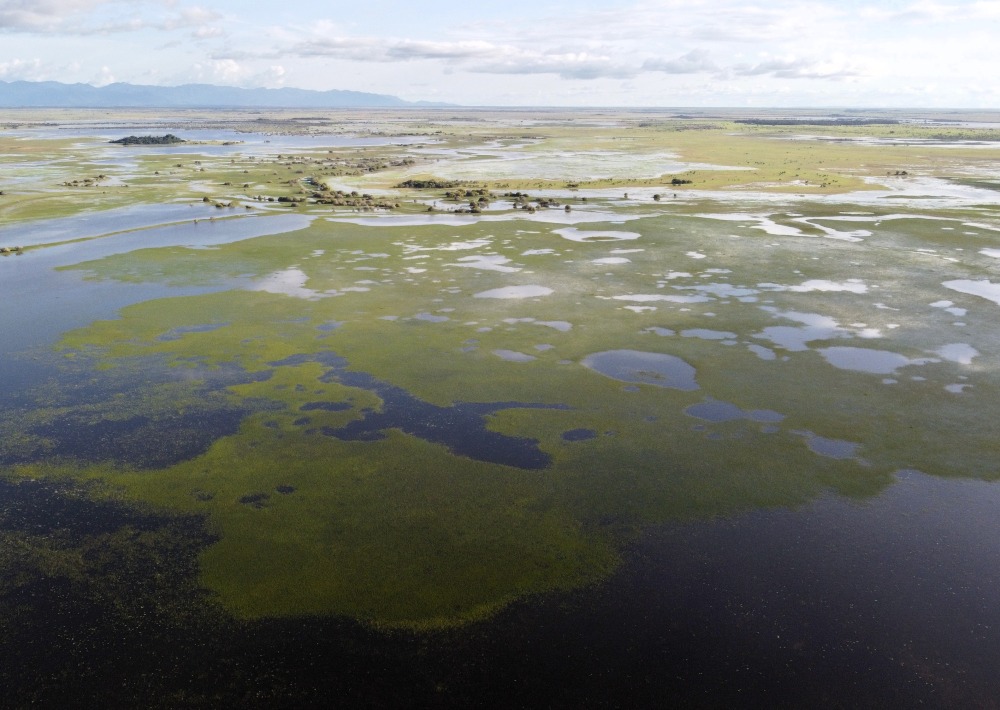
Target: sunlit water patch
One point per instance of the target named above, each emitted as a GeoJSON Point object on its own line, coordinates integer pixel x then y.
{"type": "Point", "coordinates": [827, 286]}
{"type": "Point", "coordinates": [641, 367]}
{"type": "Point", "coordinates": [514, 356]}
{"type": "Point", "coordinates": [830, 448]}
{"type": "Point", "coordinates": [515, 292]}
{"type": "Point", "coordinates": [724, 290]}
{"type": "Point", "coordinates": [814, 327]}
{"type": "Point", "coordinates": [665, 297]}
{"type": "Point", "coordinates": [876, 362]}
{"type": "Point", "coordinates": [538, 252]}
{"type": "Point", "coordinates": [950, 307]}
{"type": "Point", "coordinates": [98, 223]}
{"type": "Point", "coordinates": [708, 334]}
{"type": "Point", "coordinates": [962, 353]}
{"type": "Point", "coordinates": [581, 235]}
{"type": "Point", "coordinates": [762, 352]}
{"type": "Point", "coordinates": [983, 288]}
{"type": "Point", "coordinates": [288, 282]}
{"type": "Point", "coordinates": [560, 325]}
{"type": "Point", "coordinates": [657, 330]}
{"type": "Point", "coordinates": [431, 317]}
{"type": "Point", "coordinates": [490, 262]}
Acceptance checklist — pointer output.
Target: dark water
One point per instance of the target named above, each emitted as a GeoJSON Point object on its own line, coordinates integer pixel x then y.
{"type": "Point", "coordinates": [823, 607]}
{"type": "Point", "coordinates": [461, 427]}
{"type": "Point", "coordinates": [83, 419]}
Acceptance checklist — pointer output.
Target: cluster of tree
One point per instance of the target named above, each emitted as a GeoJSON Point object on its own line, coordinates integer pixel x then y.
{"type": "Point", "coordinates": [340, 166]}
{"type": "Point", "coordinates": [323, 195]}
{"type": "Point", "coordinates": [524, 201]}
{"type": "Point", "coordinates": [86, 182]}
{"type": "Point", "coordinates": [471, 194]}
{"type": "Point", "coordinates": [428, 184]}
{"type": "Point", "coordinates": [168, 139]}
{"type": "Point", "coordinates": [222, 205]}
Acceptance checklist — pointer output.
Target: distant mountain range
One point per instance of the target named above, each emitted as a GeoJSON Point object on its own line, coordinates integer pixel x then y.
{"type": "Point", "coordinates": [52, 94]}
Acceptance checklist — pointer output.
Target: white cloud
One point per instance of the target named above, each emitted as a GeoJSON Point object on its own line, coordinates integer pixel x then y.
{"type": "Point", "coordinates": [230, 72]}
{"type": "Point", "coordinates": [207, 33]}
{"type": "Point", "coordinates": [799, 68]}
{"type": "Point", "coordinates": [103, 78]}
{"type": "Point", "coordinates": [22, 70]}
{"type": "Point", "coordinates": [928, 11]}
{"type": "Point", "coordinates": [579, 65]}
{"type": "Point", "coordinates": [42, 15]}
{"type": "Point", "coordinates": [694, 62]}
{"type": "Point", "coordinates": [199, 20]}
{"type": "Point", "coordinates": [272, 78]}
{"type": "Point", "coordinates": [473, 56]}
{"type": "Point", "coordinates": [100, 17]}
{"type": "Point", "coordinates": [373, 49]}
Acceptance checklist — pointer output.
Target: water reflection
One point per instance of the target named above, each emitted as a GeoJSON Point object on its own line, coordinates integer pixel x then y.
{"type": "Point", "coordinates": [641, 367]}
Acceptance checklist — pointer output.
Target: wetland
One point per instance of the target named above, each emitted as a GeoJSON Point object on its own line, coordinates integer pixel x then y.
{"type": "Point", "coordinates": [571, 408]}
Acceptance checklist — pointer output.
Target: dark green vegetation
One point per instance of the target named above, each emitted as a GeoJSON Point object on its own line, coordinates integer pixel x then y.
{"type": "Point", "coordinates": [428, 184]}
{"type": "Point", "coordinates": [168, 139]}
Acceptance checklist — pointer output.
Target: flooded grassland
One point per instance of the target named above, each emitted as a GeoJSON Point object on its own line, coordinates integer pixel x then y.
{"type": "Point", "coordinates": [447, 379]}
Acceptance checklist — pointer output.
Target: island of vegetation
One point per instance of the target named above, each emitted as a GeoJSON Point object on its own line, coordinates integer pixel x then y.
{"type": "Point", "coordinates": [168, 139]}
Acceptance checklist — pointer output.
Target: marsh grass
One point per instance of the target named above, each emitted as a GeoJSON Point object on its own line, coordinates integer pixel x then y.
{"type": "Point", "coordinates": [399, 530]}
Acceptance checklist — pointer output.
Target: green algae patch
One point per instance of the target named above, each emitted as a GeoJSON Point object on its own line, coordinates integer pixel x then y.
{"type": "Point", "coordinates": [397, 533]}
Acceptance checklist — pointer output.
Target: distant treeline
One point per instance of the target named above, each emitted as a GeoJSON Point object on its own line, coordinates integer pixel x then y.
{"type": "Point", "coordinates": [819, 121]}
{"type": "Point", "coordinates": [168, 139]}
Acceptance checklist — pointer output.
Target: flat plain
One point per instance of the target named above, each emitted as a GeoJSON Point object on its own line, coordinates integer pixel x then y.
{"type": "Point", "coordinates": [438, 398]}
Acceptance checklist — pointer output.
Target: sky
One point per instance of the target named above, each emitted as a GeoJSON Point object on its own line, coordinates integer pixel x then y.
{"type": "Point", "coordinates": [669, 53]}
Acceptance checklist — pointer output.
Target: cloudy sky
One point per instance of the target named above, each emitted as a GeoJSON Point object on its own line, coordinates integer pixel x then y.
{"type": "Point", "coordinates": [528, 52]}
